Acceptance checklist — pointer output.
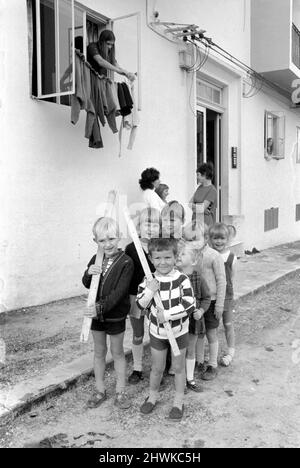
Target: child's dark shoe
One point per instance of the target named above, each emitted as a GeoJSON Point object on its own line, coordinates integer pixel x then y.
{"type": "Point", "coordinates": [201, 367]}
{"type": "Point", "coordinates": [176, 413]}
{"type": "Point", "coordinates": [147, 407]}
{"type": "Point", "coordinates": [135, 377]}
{"type": "Point", "coordinates": [192, 385]}
{"type": "Point", "coordinates": [210, 373]}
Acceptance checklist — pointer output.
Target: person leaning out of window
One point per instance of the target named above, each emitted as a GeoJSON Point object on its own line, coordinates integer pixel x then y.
{"type": "Point", "coordinates": [101, 55]}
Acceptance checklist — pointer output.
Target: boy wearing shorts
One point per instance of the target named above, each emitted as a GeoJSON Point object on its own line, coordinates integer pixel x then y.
{"type": "Point", "coordinates": [178, 301]}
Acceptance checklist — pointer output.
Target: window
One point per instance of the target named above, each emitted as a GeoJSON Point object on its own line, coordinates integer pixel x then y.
{"type": "Point", "coordinates": [57, 27]}
{"type": "Point", "coordinates": [209, 92]}
{"type": "Point", "coordinates": [274, 135]}
{"type": "Point", "coordinates": [54, 35]}
{"type": "Point", "coordinates": [271, 219]}
{"type": "Point", "coordinates": [298, 212]}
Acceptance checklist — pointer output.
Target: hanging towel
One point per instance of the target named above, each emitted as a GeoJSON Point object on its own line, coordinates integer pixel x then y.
{"type": "Point", "coordinates": [132, 121]}
{"type": "Point", "coordinates": [114, 89]}
{"type": "Point", "coordinates": [125, 108]}
{"type": "Point", "coordinates": [97, 98]}
{"type": "Point", "coordinates": [78, 100]}
{"type": "Point", "coordinates": [95, 140]}
{"type": "Point", "coordinates": [127, 95]}
{"type": "Point", "coordinates": [90, 111]}
{"type": "Point", "coordinates": [111, 107]}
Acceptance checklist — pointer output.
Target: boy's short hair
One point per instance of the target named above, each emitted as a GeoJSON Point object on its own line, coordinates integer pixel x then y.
{"type": "Point", "coordinates": [173, 209]}
{"type": "Point", "coordinates": [106, 226]}
{"type": "Point", "coordinates": [160, 243]}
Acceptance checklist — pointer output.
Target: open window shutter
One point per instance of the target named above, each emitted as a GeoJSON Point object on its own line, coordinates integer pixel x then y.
{"type": "Point", "coordinates": [127, 30]}
{"type": "Point", "coordinates": [55, 48]}
{"type": "Point", "coordinates": [281, 137]}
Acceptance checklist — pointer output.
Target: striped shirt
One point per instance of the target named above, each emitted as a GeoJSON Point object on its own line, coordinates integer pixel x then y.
{"type": "Point", "coordinates": [178, 302]}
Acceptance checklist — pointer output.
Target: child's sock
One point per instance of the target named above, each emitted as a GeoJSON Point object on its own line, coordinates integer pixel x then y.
{"type": "Point", "coordinates": [137, 354]}
{"type": "Point", "coordinates": [153, 396]}
{"type": "Point", "coordinates": [190, 367]}
{"type": "Point", "coordinates": [200, 346]}
{"type": "Point", "coordinates": [178, 400]}
{"type": "Point", "coordinates": [231, 352]}
{"type": "Point", "coordinates": [213, 354]}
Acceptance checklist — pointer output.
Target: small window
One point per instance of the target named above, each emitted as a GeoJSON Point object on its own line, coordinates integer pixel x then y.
{"type": "Point", "coordinates": [271, 219]}
{"type": "Point", "coordinates": [56, 28]}
{"type": "Point", "coordinates": [298, 212]}
{"type": "Point", "coordinates": [274, 135]}
{"type": "Point", "coordinates": [209, 92]}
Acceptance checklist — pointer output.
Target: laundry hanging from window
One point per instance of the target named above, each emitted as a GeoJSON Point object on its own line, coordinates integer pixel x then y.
{"type": "Point", "coordinates": [101, 98]}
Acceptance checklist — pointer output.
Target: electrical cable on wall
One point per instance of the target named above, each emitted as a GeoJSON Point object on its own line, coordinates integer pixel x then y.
{"type": "Point", "coordinates": [191, 34]}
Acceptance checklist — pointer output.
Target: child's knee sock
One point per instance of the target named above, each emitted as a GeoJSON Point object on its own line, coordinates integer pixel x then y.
{"type": "Point", "coordinates": [190, 367]}
{"type": "Point", "coordinates": [179, 388]}
{"type": "Point", "coordinates": [137, 354]}
{"type": "Point", "coordinates": [178, 400]}
{"type": "Point", "coordinates": [120, 368]}
{"type": "Point", "coordinates": [155, 379]}
{"type": "Point", "coordinates": [153, 396]}
{"type": "Point", "coordinates": [213, 354]}
{"type": "Point", "coordinates": [200, 345]}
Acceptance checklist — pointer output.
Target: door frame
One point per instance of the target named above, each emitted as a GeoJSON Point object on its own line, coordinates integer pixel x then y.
{"type": "Point", "coordinates": [217, 153]}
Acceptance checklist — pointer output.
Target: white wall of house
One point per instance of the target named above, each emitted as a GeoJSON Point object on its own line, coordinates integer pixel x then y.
{"type": "Point", "coordinates": [267, 184]}
{"type": "Point", "coordinates": [53, 183]}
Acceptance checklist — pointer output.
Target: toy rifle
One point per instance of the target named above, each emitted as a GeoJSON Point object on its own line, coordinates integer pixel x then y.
{"type": "Point", "coordinates": [87, 321]}
{"type": "Point", "coordinates": [149, 276]}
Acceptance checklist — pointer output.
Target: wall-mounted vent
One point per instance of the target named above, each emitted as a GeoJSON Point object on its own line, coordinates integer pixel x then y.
{"type": "Point", "coordinates": [271, 219]}
{"type": "Point", "coordinates": [298, 212]}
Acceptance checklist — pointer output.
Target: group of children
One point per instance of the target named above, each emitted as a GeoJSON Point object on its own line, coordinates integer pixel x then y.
{"type": "Point", "coordinates": [192, 269]}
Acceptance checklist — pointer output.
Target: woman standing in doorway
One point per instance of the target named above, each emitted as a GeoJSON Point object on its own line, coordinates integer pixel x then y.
{"type": "Point", "coordinates": [206, 193]}
{"type": "Point", "coordinates": [149, 182]}
{"type": "Point", "coordinates": [101, 55]}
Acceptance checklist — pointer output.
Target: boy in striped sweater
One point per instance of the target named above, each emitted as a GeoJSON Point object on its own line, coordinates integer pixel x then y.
{"type": "Point", "coordinates": [179, 303]}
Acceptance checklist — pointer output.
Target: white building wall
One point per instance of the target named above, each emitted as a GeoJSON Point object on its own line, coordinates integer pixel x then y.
{"type": "Point", "coordinates": [52, 183]}
{"type": "Point", "coordinates": [267, 184]}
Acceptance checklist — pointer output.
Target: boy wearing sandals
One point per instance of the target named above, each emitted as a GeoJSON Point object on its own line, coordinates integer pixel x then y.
{"type": "Point", "coordinates": [178, 301]}
{"type": "Point", "coordinates": [188, 257]}
{"type": "Point", "coordinates": [111, 309]}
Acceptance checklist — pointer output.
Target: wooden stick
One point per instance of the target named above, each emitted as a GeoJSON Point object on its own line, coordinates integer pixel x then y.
{"type": "Point", "coordinates": [149, 276]}
{"type": "Point", "coordinates": [87, 321]}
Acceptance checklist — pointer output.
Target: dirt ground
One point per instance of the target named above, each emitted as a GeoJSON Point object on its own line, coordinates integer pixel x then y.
{"type": "Point", "coordinates": [253, 403]}
{"type": "Point", "coordinates": [35, 343]}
